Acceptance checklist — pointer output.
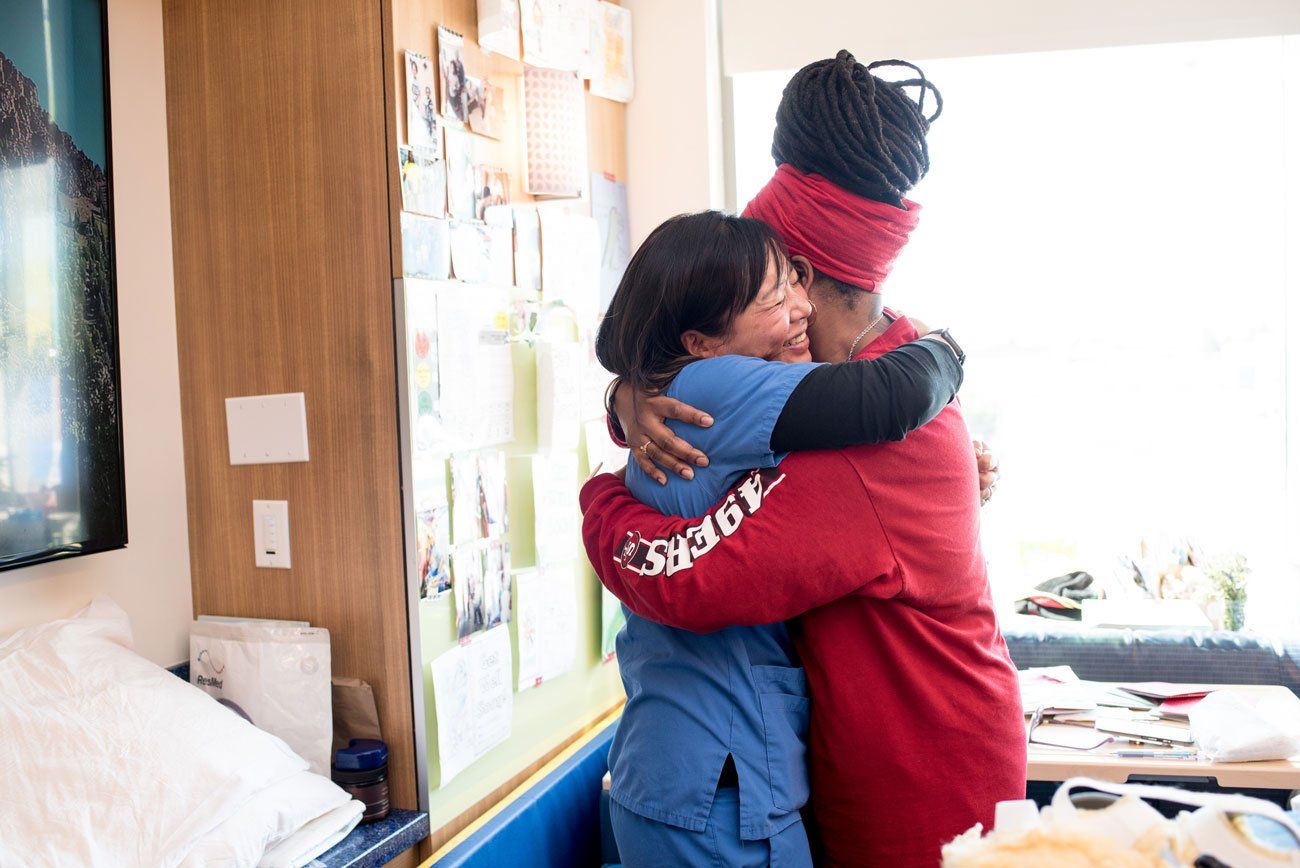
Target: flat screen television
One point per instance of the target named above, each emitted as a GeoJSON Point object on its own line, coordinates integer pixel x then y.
{"type": "Point", "coordinates": [62, 486]}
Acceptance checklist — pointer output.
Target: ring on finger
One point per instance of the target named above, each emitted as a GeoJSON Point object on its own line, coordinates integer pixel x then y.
{"type": "Point", "coordinates": [645, 447]}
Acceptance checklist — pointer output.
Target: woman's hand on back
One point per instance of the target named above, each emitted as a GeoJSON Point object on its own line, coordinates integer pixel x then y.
{"type": "Point", "coordinates": [989, 470]}
{"type": "Point", "coordinates": [642, 417]}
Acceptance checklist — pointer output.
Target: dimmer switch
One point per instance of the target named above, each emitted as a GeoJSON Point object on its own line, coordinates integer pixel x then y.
{"type": "Point", "coordinates": [271, 533]}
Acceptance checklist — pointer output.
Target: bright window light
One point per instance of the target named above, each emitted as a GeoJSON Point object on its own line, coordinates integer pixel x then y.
{"type": "Point", "coordinates": [1106, 232]}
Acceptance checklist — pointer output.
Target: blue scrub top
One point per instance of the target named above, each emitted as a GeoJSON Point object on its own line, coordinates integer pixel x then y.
{"type": "Point", "coordinates": [694, 698]}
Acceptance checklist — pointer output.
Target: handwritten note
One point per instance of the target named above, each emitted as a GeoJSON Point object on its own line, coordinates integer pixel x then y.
{"type": "Point", "coordinates": [475, 365]}
{"type": "Point", "coordinates": [555, 505]}
{"type": "Point", "coordinates": [559, 394]}
{"type": "Point", "coordinates": [546, 609]}
{"type": "Point", "coordinates": [473, 700]}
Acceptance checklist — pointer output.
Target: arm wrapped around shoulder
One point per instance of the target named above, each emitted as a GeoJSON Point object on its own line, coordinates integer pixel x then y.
{"type": "Point", "coordinates": [869, 400]}
{"type": "Point", "coordinates": [782, 541]}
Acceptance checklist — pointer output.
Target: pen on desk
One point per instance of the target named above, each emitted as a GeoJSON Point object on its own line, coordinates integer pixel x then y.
{"type": "Point", "coordinates": [1157, 754]}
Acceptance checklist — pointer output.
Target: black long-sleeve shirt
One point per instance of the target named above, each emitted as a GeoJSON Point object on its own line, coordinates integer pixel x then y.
{"type": "Point", "coordinates": [869, 400]}
{"type": "Point", "coordinates": [865, 400]}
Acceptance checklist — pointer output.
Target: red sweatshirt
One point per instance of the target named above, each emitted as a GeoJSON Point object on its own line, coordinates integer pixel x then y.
{"type": "Point", "coordinates": [917, 729]}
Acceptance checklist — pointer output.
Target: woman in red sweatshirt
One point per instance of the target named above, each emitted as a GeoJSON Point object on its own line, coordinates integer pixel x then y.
{"type": "Point", "coordinates": [917, 729]}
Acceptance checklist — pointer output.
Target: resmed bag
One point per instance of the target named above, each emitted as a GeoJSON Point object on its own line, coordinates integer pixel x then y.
{"type": "Point", "coordinates": [1128, 833]}
{"type": "Point", "coordinates": [275, 675]}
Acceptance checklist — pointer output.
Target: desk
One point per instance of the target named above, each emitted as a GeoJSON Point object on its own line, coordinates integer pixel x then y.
{"type": "Point", "coordinates": [1058, 764]}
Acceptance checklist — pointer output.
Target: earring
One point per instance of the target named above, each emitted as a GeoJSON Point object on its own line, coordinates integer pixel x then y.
{"type": "Point", "coordinates": [812, 315]}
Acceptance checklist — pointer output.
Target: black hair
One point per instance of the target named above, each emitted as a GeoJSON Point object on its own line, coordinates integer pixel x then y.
{"type": "Point", "coordinates": [695, 271]}
{"type": "Point", "coordinates": [862, 132]}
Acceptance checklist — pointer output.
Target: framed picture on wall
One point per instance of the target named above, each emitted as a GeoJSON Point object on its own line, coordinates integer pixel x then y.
{"type": "Point", "coordinates": [62, 489]}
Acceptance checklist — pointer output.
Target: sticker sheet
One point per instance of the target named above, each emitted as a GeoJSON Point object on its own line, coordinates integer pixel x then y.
{"type": "Point", "coordinates": [555, 132]}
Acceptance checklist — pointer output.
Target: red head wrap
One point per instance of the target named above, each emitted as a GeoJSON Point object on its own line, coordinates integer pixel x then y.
{"type": "Point", "coordinates": [844, 235]}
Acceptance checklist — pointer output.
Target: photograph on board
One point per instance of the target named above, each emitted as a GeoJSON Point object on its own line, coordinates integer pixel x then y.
{"type": "Point", "coordinates": [451, 74]}
{"type": "Point", "coordinates": [421, 119]}
{"type": "Point", "coordinates": [424, 181]}
{"type": "Point", "coordinates": [467, 588]}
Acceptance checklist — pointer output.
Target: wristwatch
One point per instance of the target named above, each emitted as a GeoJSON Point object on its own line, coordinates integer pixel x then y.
{"type": "Point", "coordinates": [952, 342]}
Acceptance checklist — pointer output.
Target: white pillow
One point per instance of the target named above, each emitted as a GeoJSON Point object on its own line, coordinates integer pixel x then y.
{"type": "Point", "coordinates": [273, 816]}
{"type": "Point", "coordinates": [110, 760]}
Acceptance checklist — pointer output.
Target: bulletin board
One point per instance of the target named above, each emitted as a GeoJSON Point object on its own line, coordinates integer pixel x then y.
{"type": "Point", "coordinates": [548, 714]}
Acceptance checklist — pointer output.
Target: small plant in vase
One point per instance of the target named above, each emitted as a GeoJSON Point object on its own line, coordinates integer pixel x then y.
{"type": "Point", "coordinates": [1229, 576]}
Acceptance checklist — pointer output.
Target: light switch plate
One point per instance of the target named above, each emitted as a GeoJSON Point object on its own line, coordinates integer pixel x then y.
{"type": "Point", "coordinates": [271, 533]}
{"type": "Point", "coordinates": [267, 429]}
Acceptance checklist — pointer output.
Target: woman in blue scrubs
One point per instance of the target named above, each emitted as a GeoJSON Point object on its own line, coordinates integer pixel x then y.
{"type": "Point", "coordinates": [708, 764]}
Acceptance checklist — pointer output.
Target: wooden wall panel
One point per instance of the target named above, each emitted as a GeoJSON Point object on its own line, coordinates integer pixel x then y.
{"type": "Point", "coordinates": [280, 203]}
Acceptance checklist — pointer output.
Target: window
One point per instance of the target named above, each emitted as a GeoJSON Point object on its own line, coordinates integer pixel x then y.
{"type": "Point", "coordinates": [1107, 232]}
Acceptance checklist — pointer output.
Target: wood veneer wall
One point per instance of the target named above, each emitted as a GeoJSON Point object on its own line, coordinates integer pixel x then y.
{"type": "Point", "coordinates": [280, 211]}
{"type": "Point", "coordinates": [284, 118]}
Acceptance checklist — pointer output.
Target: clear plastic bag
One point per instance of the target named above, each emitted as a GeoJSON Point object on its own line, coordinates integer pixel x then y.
{"type": "Point", "coordinates": [277, 676]}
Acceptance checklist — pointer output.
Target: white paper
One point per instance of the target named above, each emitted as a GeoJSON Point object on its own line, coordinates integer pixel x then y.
{"type": "Point", "coordinates": [595, 379]}
{"type": "Point", "coordinates": [555, 133]}
{"type": "Point", "coordinates": [498, 27]}
{"type": "Point", "coordinates": [611, 52]}
{"type": "Point", "coordinates": [421, 106]}
{"type": "Point", "coordinates": [496, 382]}
{"type": "Point", "coordinates": [475, 365]}
{"type": "Point", "coordinates": [556, 33]}
{"type": "Point", "coordinates": [559, 394]}
{"type": "Point", "coordinates": [501, 261]}
{"type": "Point", "coordinates": [571, 263]}
{"type": "Point", "coordinates": [603, 454]}
{"type": "Point", "coordinates": [557, 515]}
{"type": "Point", "coordinates": [470, 258]}
{"type": "Point", "coordinates": [473, 700]}
{"type": "Point", "coordinates": [460, 174]}
{"type": "Point", "coordinates": [546, 611]}
{"type": "Point", "coordinates": [528, 249]}
{"type": "Point", "coordinates": [609, 208]}
{"type": "Point", "coordinates": [459, 319]}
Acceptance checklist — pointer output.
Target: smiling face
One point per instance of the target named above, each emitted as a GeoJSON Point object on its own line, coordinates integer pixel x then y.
{"type": "Point", "coordinates": [773, 326]}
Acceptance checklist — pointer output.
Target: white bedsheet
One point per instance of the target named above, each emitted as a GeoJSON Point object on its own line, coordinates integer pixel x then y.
{"type": "Point", "coordinates": [110, 760]}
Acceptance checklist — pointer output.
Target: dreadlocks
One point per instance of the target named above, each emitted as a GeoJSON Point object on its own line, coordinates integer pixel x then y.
{"type": "Point", "coordinates": [863, 133]}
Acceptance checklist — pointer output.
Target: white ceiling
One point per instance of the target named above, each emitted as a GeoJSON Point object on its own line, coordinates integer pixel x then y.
{"type": "Point", "coordinates": [781, 35]}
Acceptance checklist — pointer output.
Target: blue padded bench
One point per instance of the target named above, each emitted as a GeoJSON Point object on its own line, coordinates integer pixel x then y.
{"type": "Point", "coordinates": [555, 823]}
{"type": "Point", "coordinates": [1191, 656]}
